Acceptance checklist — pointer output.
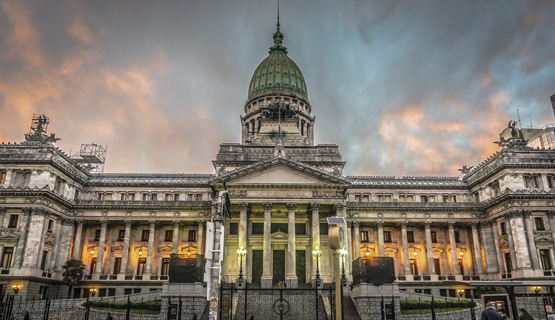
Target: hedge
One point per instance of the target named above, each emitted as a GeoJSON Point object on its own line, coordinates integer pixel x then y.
{"type": "Point", "coordinates": [440, 304]}
{"type": "Point", "coordinates": [151, 305]}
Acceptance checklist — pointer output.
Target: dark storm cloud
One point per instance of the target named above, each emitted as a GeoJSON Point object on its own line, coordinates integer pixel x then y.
{"type": "Point", "coordinates": [403, 87]}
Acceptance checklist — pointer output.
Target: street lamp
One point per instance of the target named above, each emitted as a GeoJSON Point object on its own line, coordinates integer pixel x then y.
{"type": "Point", "coordinates": [460, 292]}
{"type": "Point", "coordinates": [241, 252]}
{"type": "Point", "coordinates": [537, 289]}
{"type": "Point", "coordinates": [343, 253]}
{"type": "Point", "coordinates": [16, 288]}
{"type": "Point", "coordinates": [317, 253]}
{"type": "Point", "coordinates": [92, 291]}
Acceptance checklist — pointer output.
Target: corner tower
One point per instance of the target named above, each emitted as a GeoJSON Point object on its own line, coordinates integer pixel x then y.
{"type": "Point", "coordinates": [277, 105]}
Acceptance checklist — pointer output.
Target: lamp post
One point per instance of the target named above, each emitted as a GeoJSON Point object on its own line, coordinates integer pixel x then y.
{"type": "Point", "coordinates": [343, 253]}
{"type": "Point", "coordinates": [317, 253]}
{"type": "Point", "coordinates": [460, 292]}
{"type": "Point", "coordinates": [241, 252]}
{"type": "Point", "coordinates": [537, 289]}
{"type": "Point", "coordinates": [92, 291]}
{"type": "Point", "coordinates": [16, 288]}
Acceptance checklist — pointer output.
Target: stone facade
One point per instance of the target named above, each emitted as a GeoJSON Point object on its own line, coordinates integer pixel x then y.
{"type": "Point", "coordinates": [495, 223]}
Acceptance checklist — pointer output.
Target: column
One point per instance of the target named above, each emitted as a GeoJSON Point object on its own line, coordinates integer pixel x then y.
{"type": "Point", "coordinates": [101, 242]}
{"type": "Point", "coordinates": [292, 279]}
{"type": "Point", "coordinates": [498, 252]}
{"type": "Point", "coordinates": [148, 267]}
{"type": "Point", "coordinates": [45, 220]}
{"type": "Point", "coordinates": [356, 249]}
{"type": "Point", "coordinates": [33, 246]}
{"type": "Point", "coordinates": [266, 281]}
{"type": "Point", "coordinates": [175, 236]}
{"type": "Point", "coordinates": [380, 239]}
{"type": "Point", "coordinates": [477, 252]}
{"type": "Point", "coordinates": [9, 176]}
{"type": "Point", "coordinates": [551, 221]}
{"type": "Point", "coordinates": [486, 232]}
{"type": "Point", "coordinates": [429, 248]}
{"type": "Point", "coordinates": [200, 241]}
{"type": "Point", "coordinates": [62, 256]}
{"type": "Point", "coordinates": [511, 243]}
{"type": "Point", "coordinates": [522, 256]}
{"type": "Point", "coordinates": [243, 207]}
{"type": "Point", "coordinates": [25, 213]}
{"type": "Point", "coordinates": [77, 242]}
{"type": "Point", "coordinates": [406, 254]}
{"type": "Point", "coordinates": [315, 235]}
{"type": "Point", "coordinates": [454, 256]}
{"type": "Point", "coordinates": [125, 249]}
{"type": "Point", "coordinates": [527, 217]}
{"type": "Point", "coordinates": [2, 215]}
{"type": "Point", "coordinates": [348, 247]}
{"type": "Point", "coordinates": [56, 248]}
{"type": "Point", "coordinates": [340, 212]}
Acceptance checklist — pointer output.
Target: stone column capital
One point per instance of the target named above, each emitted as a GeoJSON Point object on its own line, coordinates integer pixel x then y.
{"type": "Point", "coordinates": [291, 206]}
{"type": "Point", "coordinates": [176, 223]}
{"type": "Point", "coordinates": [267, 206]}
{"type": "Point", "coordinates": [315, 206]}
{"type": "Point", "coordinates": [339, 206]}
{"type": "Point", "coordinates": [27, 210]}
{"type": "Point", "coordinates": [79, 222]}
{"type": "Point", "coordinates": [486, 223]}
{"type": "Point", "coordinates": [380, 224]}
{"type": "Point", "coordinates": [243, 205]}
{"type": "Point", "coordinates": [404, 224]}
{"type": "Point", "coordinates": [127, 223]}
{"type": "Point", "coordinates": [356, 224]}
{"type": "Point", "coordinates": [3, 211]}
{"type": "Point", "coordinates": [200, 222]}
{"type": "Point", "coordinates": [103, 223]}
{"type": "Point", "coordinates": [550, 214]}
{"type": "Point", "coordinates": [474, 224]}
{"type": "Point", "coordinates": [427, 224]}
{"type": "Point", "coordinates": [526, 213]}
{"type": "Point", "coordinates": [451, 224]}
{"type": "Point", "coordinates": [152, 223]}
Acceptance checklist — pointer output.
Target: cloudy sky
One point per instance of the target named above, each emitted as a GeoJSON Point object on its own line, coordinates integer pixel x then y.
{"type": "Point", "coordinates": [404, 87]}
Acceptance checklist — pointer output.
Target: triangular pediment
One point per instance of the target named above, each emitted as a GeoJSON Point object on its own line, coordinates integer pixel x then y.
{"type": "Point", "coordinates": [279, 171]}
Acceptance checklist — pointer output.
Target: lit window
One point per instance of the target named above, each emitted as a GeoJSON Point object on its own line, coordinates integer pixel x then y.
{"type": "Point", "coordinates": [2, 177]}
{"type": "Point", "coordinates": [364, 236]}
{"type": "Point", "coordinates": [387, 236]}
{"type": "Point", "coordinates": [169, 235]}
{"type": "Point", "coordinates": [410, 236]}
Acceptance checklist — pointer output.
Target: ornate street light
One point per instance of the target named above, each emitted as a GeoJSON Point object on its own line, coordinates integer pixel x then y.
{"type": "Point", "coordinates": [537, 289]}
{"type": "Point", "coordinates": [188, 252]}
{"type": "Point", "coordinates": [241, 252]}
{"type": "Point", "coordinates": [460, 292]}
{"type": "Point", "coordinates": [317, 253]}
{"type": "Point", "coordinates": [16, 288]}
{"type": "Point", "coordinates": [343, 254]}
{"type": "Point", "coordinates": [92, 291]}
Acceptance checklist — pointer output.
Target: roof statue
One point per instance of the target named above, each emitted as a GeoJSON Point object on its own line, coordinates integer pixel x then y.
{"type": "Point", "coordinates": [39, 127]}
{"type": "Point", "coordinates": [466, 170]}
{"type": "Point", "coordinates": [514, 131]}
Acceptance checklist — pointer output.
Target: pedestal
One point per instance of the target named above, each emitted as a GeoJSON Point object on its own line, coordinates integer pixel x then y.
{"type": "Point", "coordinates": [266, 283]}
{"type": "Point", "coordinates": [292, 282]}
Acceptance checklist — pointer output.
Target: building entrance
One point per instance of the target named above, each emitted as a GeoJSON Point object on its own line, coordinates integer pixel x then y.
{"type": "Point", "coordinates": [278, 266]}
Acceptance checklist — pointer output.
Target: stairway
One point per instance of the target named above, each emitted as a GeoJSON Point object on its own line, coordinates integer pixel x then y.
{"type": "Point", "coordinates": [349, 309]}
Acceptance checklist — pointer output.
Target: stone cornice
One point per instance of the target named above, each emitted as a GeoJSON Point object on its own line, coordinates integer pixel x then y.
{"type": "Point", "coordinates": [508, 195]}
{"type": "Point", "coordinates": [143, 205]}
{"type": "Point", "coordinates": [413, 206]}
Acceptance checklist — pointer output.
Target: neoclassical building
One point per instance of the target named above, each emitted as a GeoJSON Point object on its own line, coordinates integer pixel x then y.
{"type": "Point", "coordinates": [494, 223]}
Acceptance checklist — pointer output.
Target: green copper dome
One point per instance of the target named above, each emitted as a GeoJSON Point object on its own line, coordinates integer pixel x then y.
{"type": "Point", "coordinates": [278, 73]}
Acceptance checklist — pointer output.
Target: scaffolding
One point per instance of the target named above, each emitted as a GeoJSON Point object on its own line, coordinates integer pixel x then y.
{"type": "Point", "coordinates": [92, 156]}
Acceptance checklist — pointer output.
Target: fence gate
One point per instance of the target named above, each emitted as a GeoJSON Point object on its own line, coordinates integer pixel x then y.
{"type": "Point", "coordinates": [273, 304]}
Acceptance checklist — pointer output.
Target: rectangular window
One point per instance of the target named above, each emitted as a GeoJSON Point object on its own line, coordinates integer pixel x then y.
{"type": "Point", "coordinates": [324, 228]}
{"type": "Point", "coordinates": [495, 188]}
{"type": "Point", "coordinates": [111, 292]}
{"type": "Point", "coordinates": [364, 236]}
{"type": "Point", "coordinates": [545, 260]}
{"type": "Point", "coordinates": [189, 197]}
{"type": "Point", "coordinates": [431, 199]}
{"type": "Point", "coordinates": [457, 237]}
{"type": "Point", "coordinates": [144, 235]}
{"type": "Point", "coordinates": [58, 185]}
{"type": "Point", "coordinates": [117, 266]}
{"type": "Point", "coordinates": [77, 194]}
{"type": "Point", "coordinates": [410, 199]}
{"type": "Point", "coordinates": [461, 266]}
{"type": "Point", "coordinates": [96, 234]}
{"type": "Point", "coordinates": [434, 236]}
{"type": "Point", "coordinates": [380, 198]}
{"type": "Point", "coordinates": [437, 267]}
{"type": "Point", "coordinates": [192, 235]}
{"type": "Point", "coordinates": [131, 197]}
{"type": "Point", "coordinates": [357, 198]}
{"type": "Point", "coordinates": [141, 266]}
{"type": "Point", "coordinates": [453, 198]}
{"type": "Point", "coordinates": [127, 291]}
{"type": "Point", "coordinates": [22, 177]}
{"type": "Point", "coordinates": [122, 197]}
{"type": "Point", "coordinates": [76, 293]}
{"type": "Point", "coordinates": [100, 196]}
{"type": "Point", "coordinates": [387, 236]}
{"type": "Point", "coordinates": [7, 258]}
{"type": "Point", "coordinates": [476, 197]}
{"type": "Point", "coordinates": [414, 267]}
{"type": "Point", "coordinates": [531, 181]}
{"type": "Point", "coordinates": [93, 265]}
{"type": "Point", "coordinates": [168, 235]}
{"type": "Point", "coordinates": [401, 198]}
{"type": "Point", "coordinates": [50, 225]}
{"type": "Point", "coordinates": [198, 197]}
{"type": "Point", "coordinates": [121, 235]}
{"type": "Point", "coordinates": [108, 196]}
{"type": "Point", "coordinates": [443, 292]}
{"type": "Point", "coordinates": [257, 228]}
{"type": "Point", "coordinates": [410, 236]}
{"type": "Point", "coordinates": [154, 197]}
{"type": "Point", "coordinates": [427, 291]}
{"type": "Point", "coordinates": [445, 198]}
{"type": "Point", "coordinates": [503, 228]}
{"type": "Point", "coordinates": [423, 198]}
{"type": "Point", "coordinates": [169, 197]}
{"type": "Point", "coordinates": [550, 180]}
{"type": "Point", "coordinates": [418, 290]}
{"type": "Point", "coordinates": [387, 198]}
{"type": "Point", "coordinates": [2, 177]}
{"type": "Point", "coordinates": [300, 228]}
{"type": "Point", "coordinates": [101, 292]}
{"type": "Point", "coordinates": [176, 197]}
{"type": "Point", "coordinates": [365, 198]}
{"type": "Point", "coordinates": [508, 262]}
{"type": "Point", "coordinates": [165, 267]}
{"type": "Point", "coordinates": [539, 223]}
{"type": "Point", "coordinates": [14, 218]}
{"type": "Point", "coordinates": [145, 196]}
{"type": "Point", "coordinates": [136, 290]}
{"type": "Point", "coordinates": [234, 228]}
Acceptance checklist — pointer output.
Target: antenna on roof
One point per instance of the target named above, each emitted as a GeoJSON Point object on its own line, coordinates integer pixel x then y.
{"type": "Point", "coordinates": [529, 116]}
{"type": "Point", "coordinates": [278, 15]}
{"type": "Point", "coordinates": [520, 123]}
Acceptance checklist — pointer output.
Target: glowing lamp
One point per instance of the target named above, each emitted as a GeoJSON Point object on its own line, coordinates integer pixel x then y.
{"type": "Point", "coordinates": [461, 253]}
{"type": "Point", "coordinates": [141, 252]}
{"type": "Point", "coordinates": [414, 253]}
{"type": "Point", "coordinates": [92, 252]}
{"type": "Point", "coordinates": [188, 252]}
{"type": "Point", "coordinates": [16, 288]}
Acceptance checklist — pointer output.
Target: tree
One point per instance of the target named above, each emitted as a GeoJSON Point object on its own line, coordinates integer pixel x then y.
{"type": "Point", "coordinates": [73, 273]}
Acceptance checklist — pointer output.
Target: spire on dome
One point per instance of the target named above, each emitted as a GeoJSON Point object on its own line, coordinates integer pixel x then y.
{"type": "Point", "coordinates": [278, 38]}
